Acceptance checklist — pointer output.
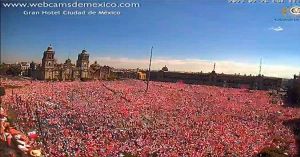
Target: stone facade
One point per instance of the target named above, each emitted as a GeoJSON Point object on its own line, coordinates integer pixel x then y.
{"type": "Point", "coordinates": [83, 64]}
{"type": "Point", "coordinates": [99, 72]}
{"type": "Point", "coordinates": [215, 79]}
{"type": "Point", "coordinates": [51, 70]}
{"type": "Point", "coordinates": [48, 64]}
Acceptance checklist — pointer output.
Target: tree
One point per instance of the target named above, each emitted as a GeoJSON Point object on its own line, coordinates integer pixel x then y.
{"type": "Point", "coordinates": [3, 69]}
{"type": "Point", "coordinates": [14, 70]}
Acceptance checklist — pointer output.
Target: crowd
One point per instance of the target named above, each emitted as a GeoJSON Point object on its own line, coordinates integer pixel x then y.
{"type": "Point", "coordinates": [14, 139]}
{"type": "Point", "coordinates": [103, 118]}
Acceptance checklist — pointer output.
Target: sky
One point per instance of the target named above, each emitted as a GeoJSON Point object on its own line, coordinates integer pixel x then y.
{"type": "Point", "coordinates": [186, 35]}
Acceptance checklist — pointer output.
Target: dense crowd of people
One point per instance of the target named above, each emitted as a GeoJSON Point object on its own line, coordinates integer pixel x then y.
{"type": "Point", "coordinates": [103, 118]}
{"type": "Point", "coordinates": [14, 142]}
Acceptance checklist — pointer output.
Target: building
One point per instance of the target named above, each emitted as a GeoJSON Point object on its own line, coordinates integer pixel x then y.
{"type": "Point", "coordinates": [82, 70]}
{"type": "Point", "coordinates": [215, 79]}
{"type": "Point", "coordinates": [165, 68]}
{"type": "Point", "coordinates": [142, 75]}
{"type": "Point", "coordinates": [296, 80]}
{"type": "Point", "coordinates": [68, 71]}
{"type": "Point", "coordinates": [48, 64]}
{"type": "Point", "coordinates": [100, 72]}
{"type": "Point", "coordinates": [51, 70]}
{"type": "Point", "coordinates": [126, 73]}
{"type": "Point", "coordinates": [24, 68]}
{"type": "Point", "coordinates": [83, 64]}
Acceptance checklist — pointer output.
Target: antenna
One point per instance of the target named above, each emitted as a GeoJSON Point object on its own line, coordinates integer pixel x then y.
{"type": "Point", "coordinates": [260, 65]}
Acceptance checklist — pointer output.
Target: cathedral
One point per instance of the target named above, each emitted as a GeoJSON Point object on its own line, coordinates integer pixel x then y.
{"type": "Point", "coordinates": [51, 70]}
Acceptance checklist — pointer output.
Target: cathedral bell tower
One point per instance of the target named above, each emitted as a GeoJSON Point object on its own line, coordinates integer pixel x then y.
{"type": "Point", "coordinates": [48, 62]}
{"type": "Point", "coordinates": [83, 64]}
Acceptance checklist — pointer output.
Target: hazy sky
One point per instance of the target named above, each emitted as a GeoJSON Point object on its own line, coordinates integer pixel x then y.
{"type": "Point", "coordinates": [186, 35]}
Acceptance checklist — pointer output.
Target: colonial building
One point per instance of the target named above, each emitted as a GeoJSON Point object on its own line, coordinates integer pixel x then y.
{"type": "Point", "coordinates": [48, 64]}
{"type": "Point", "coordinates": [165, 68]}
{"type": "Point", "coordinates": [24, 68]}
{"type": "Point", "coordinates": [83, 64]}
{"type": "Point", "coordinates": [51, 70]}
{"type": "Point", "coordinates": [68, 71]}
{"type": "Point", "coordinates": [100, 72]}
{"type": "Point", "coordinates": [216, 79]}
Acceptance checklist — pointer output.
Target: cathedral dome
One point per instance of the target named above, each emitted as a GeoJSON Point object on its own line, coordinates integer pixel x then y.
{"type": "Point", "coordinates": [50, 48]}
{"type": "Point", "coordinates": [68, 60]}
{"type": "Point", "coordinates": [84, 52]}
{"type": "Point", "coordinates": [165, 68]}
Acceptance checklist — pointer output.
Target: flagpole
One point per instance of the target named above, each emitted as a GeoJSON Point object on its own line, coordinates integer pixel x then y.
{"type": "Point", "coordinates": [149, 70]}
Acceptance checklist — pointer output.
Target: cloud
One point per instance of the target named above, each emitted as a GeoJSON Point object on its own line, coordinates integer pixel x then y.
{"type": "Point", "coordinates": [197, 65]}
{"type": "Point", "coordinates": [277, 29]}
